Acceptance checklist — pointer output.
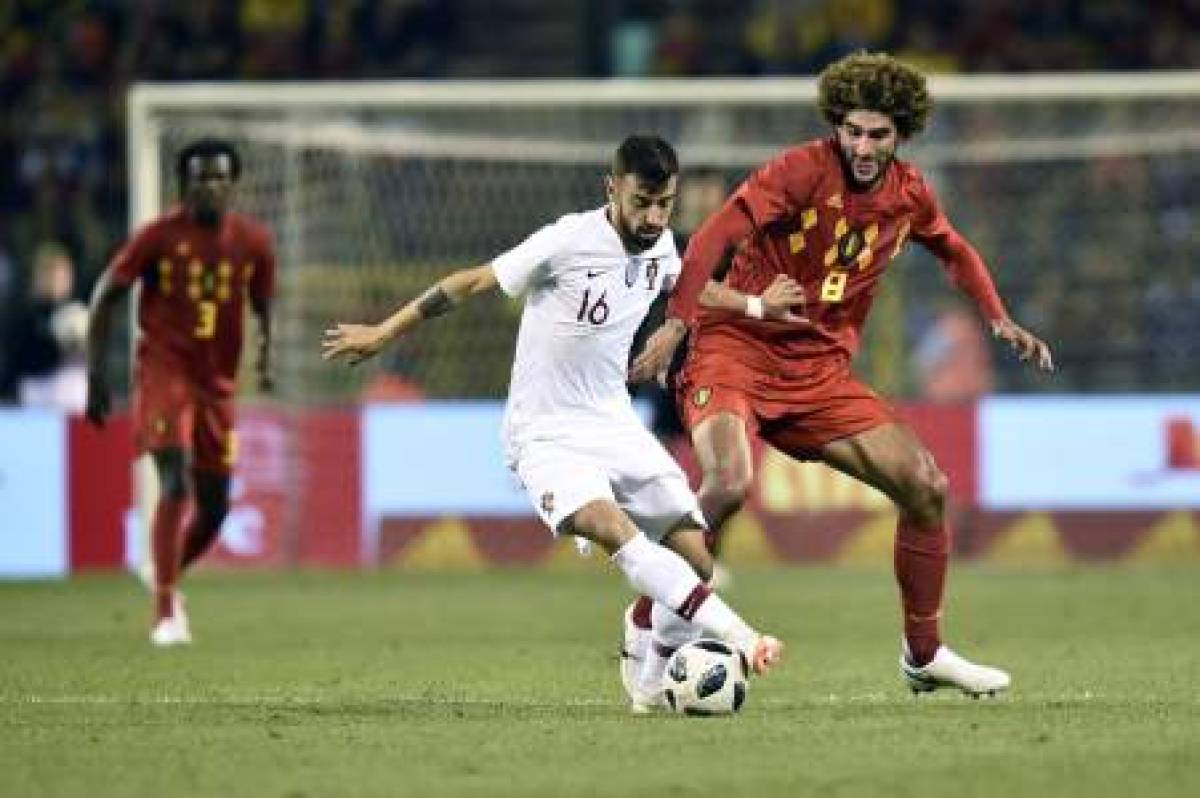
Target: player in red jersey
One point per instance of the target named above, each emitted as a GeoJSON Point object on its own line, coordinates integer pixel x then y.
{"type": "Point", "coordinates": [197, 266]}
{"type": "Point", "coordinates": [830, 215]}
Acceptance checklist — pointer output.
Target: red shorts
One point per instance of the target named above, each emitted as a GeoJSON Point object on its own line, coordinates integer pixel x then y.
{"type": "Point", "coordinates": [170, 412]}
{"type": "Point", "coordinates": [796, 412]}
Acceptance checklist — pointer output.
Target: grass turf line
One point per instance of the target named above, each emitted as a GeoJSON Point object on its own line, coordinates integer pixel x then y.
{"type": "Point", "coordinates": [504, 683]}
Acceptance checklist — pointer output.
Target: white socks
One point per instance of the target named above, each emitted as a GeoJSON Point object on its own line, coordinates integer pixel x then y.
{"type": "Point", "coordinates": [666, 577]}
{"type": "Point", "coordinates": [656, 571]}
{"type": "Point", "coordinates": [669, 632]}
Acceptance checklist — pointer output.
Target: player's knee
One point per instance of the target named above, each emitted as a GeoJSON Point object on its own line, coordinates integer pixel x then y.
{"type": "Point", "coordinates": [600, 521]}
{"type": "Point", "coordinates": [926, 493]}
{"type": "Point", "coordinates": [727, 487]}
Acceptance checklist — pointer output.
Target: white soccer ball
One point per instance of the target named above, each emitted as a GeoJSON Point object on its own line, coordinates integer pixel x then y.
{"type": "Point", "coordinates": [706, 677]}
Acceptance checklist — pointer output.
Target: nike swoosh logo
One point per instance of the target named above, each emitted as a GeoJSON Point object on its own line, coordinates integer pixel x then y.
{"type": "Point", "coordinates": [591, 274]}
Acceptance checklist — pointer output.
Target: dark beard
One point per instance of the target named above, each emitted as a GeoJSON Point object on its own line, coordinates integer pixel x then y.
{"type": "Point", "coordinates": [853, 182]}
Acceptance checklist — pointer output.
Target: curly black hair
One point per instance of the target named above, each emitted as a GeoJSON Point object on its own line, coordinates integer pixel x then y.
{"type": "Point", "coordinates": [875, 82]}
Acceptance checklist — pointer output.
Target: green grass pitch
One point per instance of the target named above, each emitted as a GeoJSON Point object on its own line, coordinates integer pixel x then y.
{"type": "Point", "coordinates": [505, 684]}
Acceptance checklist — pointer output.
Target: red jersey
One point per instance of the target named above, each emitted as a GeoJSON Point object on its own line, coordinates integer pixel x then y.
{"type": "Point", "coordinates": [195, 280]}
{"type": "Point", "coordinates": [799, 217]}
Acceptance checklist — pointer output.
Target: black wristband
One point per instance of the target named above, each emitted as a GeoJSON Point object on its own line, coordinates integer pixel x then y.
{"type": "Point", "coordinates": [434, 302]}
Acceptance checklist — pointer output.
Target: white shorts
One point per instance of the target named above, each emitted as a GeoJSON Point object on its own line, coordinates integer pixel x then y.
{"type": "Point", "coordinates": [624, 464]}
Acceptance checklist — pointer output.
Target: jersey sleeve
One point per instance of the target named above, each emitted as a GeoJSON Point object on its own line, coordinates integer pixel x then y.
{"type": "Point", "coordinates": [724, 229]}
{"type": "Point", "coordinates": [966, 269]}
{"type": "Point", "coordinates": [773, 193]}
{"type": "Point", "coordinates": [262, 285]}
{"type": "Point", "coordinates": [529, 262]}
{"type": "Point", "coordinates": [135, 256]}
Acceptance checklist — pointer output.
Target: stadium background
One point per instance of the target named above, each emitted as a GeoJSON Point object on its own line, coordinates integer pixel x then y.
{"type": "Point", "coordinates": [1094, 246]}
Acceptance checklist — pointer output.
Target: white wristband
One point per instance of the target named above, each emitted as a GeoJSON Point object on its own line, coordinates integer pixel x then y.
{"type": "Point", "coordinates": [754, 307]}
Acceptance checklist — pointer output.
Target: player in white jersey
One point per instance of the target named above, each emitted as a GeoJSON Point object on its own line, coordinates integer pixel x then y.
{"type": "Point", "coordinates": [570, 432]}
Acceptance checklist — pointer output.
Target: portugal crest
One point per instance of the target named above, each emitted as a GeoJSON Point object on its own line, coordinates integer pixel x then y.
{"type": "Point", "coordinates": [702, 397]}
{"type": "Point", "coordinates": [651, 273]}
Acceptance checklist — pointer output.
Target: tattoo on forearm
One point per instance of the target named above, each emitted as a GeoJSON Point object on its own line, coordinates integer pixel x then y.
{"type": "Point", "coordinates": [434, 302]}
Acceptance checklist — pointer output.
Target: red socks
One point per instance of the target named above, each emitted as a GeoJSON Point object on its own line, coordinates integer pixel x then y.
{"type": "Point", "coordinates": [641, 612]}
{"type": "Point", "coordinates": [921, 555]}
{"type": "Point", "coordinates": [164, 549]}
{"type": "Point", "coordinates": [642, 607]}
{"type": "Point", "coordinates": [687, 610]}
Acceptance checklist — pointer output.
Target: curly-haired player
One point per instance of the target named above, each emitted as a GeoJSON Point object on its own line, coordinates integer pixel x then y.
{"type": "Point", "coordinates": [830, 215]}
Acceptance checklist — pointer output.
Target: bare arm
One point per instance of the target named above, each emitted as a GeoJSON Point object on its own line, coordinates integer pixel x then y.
{"type": "Point", "coordinates": [718, 296]}
{"type": "Point", "coordinates": [971, 276]}
{"type": "Point", "coordinates": [774, 303]}
{"type": "Point", "coordinates": [105, 298]}
{"type": "Point", "coordinates": [358, 342]}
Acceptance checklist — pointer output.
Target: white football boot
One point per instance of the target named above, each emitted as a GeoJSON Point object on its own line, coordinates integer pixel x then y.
{"type": "Point", "coordinates": [634, 644]}
{"type": "Point", "coordinates": [173, 631]}
{"type": "Point", "coordinates": [647, 702]}
{"type": "Point", "coordinates": [948, 669]}
{"type": "Point", "coordinates": [168, 632]}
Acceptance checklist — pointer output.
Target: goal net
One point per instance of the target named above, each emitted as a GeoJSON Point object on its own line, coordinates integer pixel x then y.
{"type": "Point", "coordinates": [1081, 191]}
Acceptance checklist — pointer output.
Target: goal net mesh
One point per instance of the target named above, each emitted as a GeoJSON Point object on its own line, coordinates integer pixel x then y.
{"type": "Point", "coordinates": [1086, 208]}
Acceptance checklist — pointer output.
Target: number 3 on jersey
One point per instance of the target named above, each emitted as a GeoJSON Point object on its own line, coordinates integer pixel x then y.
{"type": "Point", "coordinates": [206, 319]}
{"type": "Point", "coordinates": [596, 313]}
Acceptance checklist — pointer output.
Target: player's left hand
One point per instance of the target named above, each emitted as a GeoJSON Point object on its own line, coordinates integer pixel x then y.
{"type": "Point", "coordinates": [1028, 346]}
{"type": "Point", "coordinates": [353, 343]}
{"type": "Point", "coordinates": [660, 347]}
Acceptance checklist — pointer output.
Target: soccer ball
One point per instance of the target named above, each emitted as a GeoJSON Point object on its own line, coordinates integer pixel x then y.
{"type": "Point", "coordinates": [706, 677]}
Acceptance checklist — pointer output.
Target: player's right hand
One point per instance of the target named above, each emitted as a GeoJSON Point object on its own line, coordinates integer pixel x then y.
{"type": "Point", "coordinates": [99, 400]}
{"type": "Point", "coordinates": [781, 296]}
{"type": "Point", "coordinates": [353, 343]}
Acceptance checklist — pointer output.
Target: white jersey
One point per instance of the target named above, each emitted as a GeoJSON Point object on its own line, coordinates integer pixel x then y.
{"type": "Point", "coordinates": [586, 298]}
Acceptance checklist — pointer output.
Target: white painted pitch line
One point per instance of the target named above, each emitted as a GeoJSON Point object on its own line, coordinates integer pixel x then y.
{"type": "Point", "coordinates": [284, 702]}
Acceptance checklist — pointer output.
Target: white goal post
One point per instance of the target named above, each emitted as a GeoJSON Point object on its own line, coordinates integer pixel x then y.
{"type": "Point", "coordinates": [1035, 127]}
{"type": "Point", "coordinates": [1081, 190]}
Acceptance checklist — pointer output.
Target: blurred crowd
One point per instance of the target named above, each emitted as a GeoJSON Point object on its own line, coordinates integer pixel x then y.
{"type": "Point", "coordinates": [65, 66]}
{"type": "Point", "coordinates": [789, 37]}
